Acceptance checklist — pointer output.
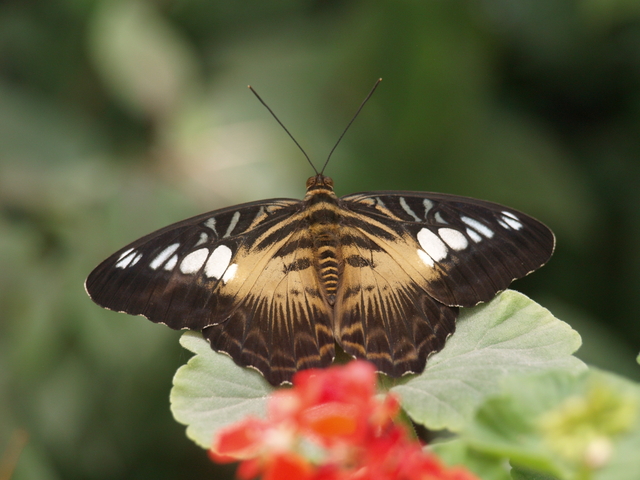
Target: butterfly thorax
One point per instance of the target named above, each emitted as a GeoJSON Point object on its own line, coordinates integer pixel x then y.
{"type": "Point", "coordinates": [321, 203]}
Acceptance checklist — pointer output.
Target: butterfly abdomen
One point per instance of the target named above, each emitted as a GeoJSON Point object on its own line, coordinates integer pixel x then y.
{"type": "Point", "coordinates": [327, 258]}
{"type": "Point", "coordinates": [324, 224]}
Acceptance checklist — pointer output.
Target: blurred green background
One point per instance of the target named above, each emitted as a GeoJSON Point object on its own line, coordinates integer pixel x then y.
{"type": "Point", "coordinates": [120, 117]}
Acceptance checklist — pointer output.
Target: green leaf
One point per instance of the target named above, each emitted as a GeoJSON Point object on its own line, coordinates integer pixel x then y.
{"type": "Point", "coordinates": [211, 391]}
{"type": "Point", "coordinates": [625, 463]}
{"type": "Point", "coordinates": [564, 425]}
{"type": "Point", "coordinates": [511, 335]}
{"type": "Point", "coordinates": [456, 452]}
{"type": "Point", "coordinates": [518, 473]}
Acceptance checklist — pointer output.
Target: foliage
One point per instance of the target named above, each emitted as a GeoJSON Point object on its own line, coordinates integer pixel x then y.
{"type": "Point", "coordinates": [556, 426]}
{"type": "Point", "coordinates": [511, 335]}
{"type": "Point", "coordinates": [207, 403]}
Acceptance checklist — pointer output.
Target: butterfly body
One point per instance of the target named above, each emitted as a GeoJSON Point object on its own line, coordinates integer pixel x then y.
{"type": "Point", "coordinates": [276, 283]}
{"type": "Point", "coordinates": [323, 210]}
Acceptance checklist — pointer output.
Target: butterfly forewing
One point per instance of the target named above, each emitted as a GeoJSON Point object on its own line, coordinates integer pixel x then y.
{"type": "Point", "coordinates": [167, 275]}
{"type": "Point", "coordinates": [409, 258]}
{"type": "Point", "coordinates": [460, 250]}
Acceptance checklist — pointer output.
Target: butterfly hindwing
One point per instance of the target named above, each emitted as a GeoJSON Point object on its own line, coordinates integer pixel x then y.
{"type": "Point", "coordinates": [280, 322]}
{"type": "Point", "coordinates": [382, 314]}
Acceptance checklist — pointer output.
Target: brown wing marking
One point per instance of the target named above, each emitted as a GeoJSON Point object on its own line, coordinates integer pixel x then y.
{"type": "Point", "coordinates": [382, 314]}
{"type": "Point", "coordinates": [499, 244]}
{"type": "Point", "coordinates": [279, 321]}
{"type": "Point", "coordinates": [403, 248]}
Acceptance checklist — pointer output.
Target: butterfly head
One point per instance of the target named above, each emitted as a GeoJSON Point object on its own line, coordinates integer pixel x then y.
{"type": "Point", "coordinates": [319, 182]}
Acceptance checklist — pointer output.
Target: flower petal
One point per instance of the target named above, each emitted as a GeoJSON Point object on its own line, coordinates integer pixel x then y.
{"type": "Point", "coordinates": [239, 441]}
{"type": "Point", "coordinates": [332, 419]}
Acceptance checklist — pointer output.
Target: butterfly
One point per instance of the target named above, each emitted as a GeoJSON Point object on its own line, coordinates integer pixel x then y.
{"type": "Point", "coordinates": [277, 283]}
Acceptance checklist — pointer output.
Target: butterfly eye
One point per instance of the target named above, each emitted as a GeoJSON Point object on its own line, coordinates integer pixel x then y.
{"type": "Point", "coordinates": [319, 181]}
{"type": "Point", "coordinates": [311, 181]}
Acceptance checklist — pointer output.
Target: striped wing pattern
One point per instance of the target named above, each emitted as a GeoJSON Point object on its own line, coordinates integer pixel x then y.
{"type": "Point", "coordinates": [382, 314]}
{"type": "Point", "coordinates": [280, 321]}
{"type": "Point", "coordinates": [475, 248]}
{"type": "Point", "coordinates": [229, 274]}
{"type": "Point", "coordinates": [419, 256]}
{"type": "Point", "coordinates": [275, 284]}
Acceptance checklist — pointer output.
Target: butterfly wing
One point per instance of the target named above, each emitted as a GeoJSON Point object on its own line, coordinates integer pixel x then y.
{"type": "Point", "coordinates": [411, 258]}
{"type": "Point", "coordinates": [463, 251]}
{"type": "Point", "coordinates": [241, 274]}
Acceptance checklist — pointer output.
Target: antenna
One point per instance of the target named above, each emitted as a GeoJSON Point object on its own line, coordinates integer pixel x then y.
{"type": "Point", "coordinates": [354, 117]}
{"type": "Point", "coordinates": [339, 139]}
{"type": "Point", "coordinates": [285, 128]}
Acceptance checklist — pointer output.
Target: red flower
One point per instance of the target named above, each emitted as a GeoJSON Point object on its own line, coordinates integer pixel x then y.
{"type": "Point", "coordinates": [330, 426]}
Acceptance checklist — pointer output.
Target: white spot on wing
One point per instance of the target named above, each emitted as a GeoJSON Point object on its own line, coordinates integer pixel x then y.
{"type": "Point", "coordinates": [232, 225]}
{"type": "Point", "coordinates": [514, 223]}
{"type": "Point", "coordinates": [478, 227]}
{"type": "Point", "coordinates": [425, 258]}
{"type": "Point", "coordinates": [230, 273]}
{"type": "Point", "coordinates": [211, 223]}
{"type": "Point", "coordinates": [428, 205]}
{"type": "Point", "coordinates": [164, 255]}
{"type": "Point", "coordinates": [135, 260]}
{"type": "Point", "coordinates": [453, 238]}
{"type": "Point", "coordinates": [194, 261]}
{"type": "Point", "coordinates": [475, 236]}
{"type": "Point", "coordinates": [203, 239]}
{"type": "Point", "coordinates": [432, 244]}
{"type": "Point", "coordinates": [439, 218]}
{"type": "Point", "coordinates": [511, 220]}
{"type": "Point", "coordinates": [170, 265]}
{"type": "Point", "coordinates": [405, 206]}
{"type": "Point", "coordinates": [218, 262]}
{"type": "Point", "coordinates": [125, 253]}
{"type": "Point", "coordinates": [128, 258]}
